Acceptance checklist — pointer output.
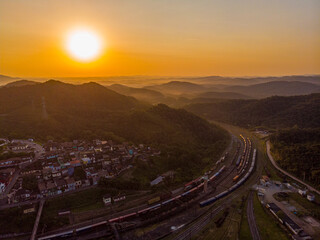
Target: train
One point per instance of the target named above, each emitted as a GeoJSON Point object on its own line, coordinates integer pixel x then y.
{"type": "Point", "coordinates": [103, 225]}
{"type": "Point", "coordinates": [144, 214]}
{"type": "Point", "coordinates": [234, 187]}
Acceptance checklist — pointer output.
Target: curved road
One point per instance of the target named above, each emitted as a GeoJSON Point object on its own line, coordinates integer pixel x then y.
{"type": "Point", "coordinates": [286, 173]}
{"type": "Point", "coordinates": [251, 220]}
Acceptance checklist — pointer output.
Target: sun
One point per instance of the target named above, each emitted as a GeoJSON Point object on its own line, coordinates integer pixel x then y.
{"type": "Point", "coordinates": [83, 44]}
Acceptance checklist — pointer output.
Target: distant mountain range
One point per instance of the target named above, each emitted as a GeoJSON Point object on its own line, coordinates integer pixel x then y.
{"type": "Point", "coordinates": [222, 95]}
{"type": "Point", "coordinates": [177, 87]}
{"type": "Point", "coordinates": [6, 79]}
{"type": "Point", "coordinates": [279, 88]}
{"type": "Point", "coordinates": [142, 94]}
{"type": "Point", "coordinates": [176, 93]}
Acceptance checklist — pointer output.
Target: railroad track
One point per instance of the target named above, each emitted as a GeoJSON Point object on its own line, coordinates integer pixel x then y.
{"type": "Point", "coordinates": [203, 221]}
{"type": "Point", "coordinates": [251, 219]}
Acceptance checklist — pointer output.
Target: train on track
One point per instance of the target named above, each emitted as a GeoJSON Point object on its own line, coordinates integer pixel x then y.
{"type": "Point", "coordinates": [234, 187]}
{"type": "Point", "coordinates": [197, 186]}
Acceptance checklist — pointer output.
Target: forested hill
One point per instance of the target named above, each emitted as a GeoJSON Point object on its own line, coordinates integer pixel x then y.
{"type": "Point", "coordinates": [58, 110]}
{"type": "Point", "coordinates": [273, 112]}
{"type": "Point", "coordinates": [298, 151]}
{"type": "Point", "coordinates": [59, 96]}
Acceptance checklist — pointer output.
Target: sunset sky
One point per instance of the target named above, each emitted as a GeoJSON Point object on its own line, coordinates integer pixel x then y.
{"type": "Point", "coordinates": [162, 37]}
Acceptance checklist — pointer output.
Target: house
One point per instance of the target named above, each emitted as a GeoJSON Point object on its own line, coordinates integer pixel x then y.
{"type": "Point", "coordinates": [22, 195]}
{"type": "Point", "coordinates": [42, 188]}
{"type": "Point", "coordinates": [86, 160]}
{"type": "Point", "coordinates": [51, 187]}
{"type": "Point", "coordinates": [75, 163]}
{"type": "Point", "coordinates": [156, 181]}
{"type": "Point", "coordinates": [78, 183]}
{"type": "Point", "coordinates": [85, 182]}
{"type": "Point", "coordinates": [5, 177]}
{"type": "Point", "coordinates": [18, 146]}
{"type": "Point", "coordinates": [64, 172]}
{"type": "Point", "coordinates": [106, 199]}
{"type": "Point", "coordinates": [46, 172]}
{"type": "Point", "coordinates": [302, 192]}
{"type": "Point", "coordinates": [56, 174]}
{"type": "Point", "coordinates": [95, 180]}
{"type": "Point", "coordinates": [2, 187]}
{"type": "Point", "coordinates": [310, 197]}
{"type": "Point", "coordinates": [70, 183]}
{"type": "Point", "coordinates": [169, 174]}
{"type": "Point", "coordinates": [277, 183]}
{"type": "Point", "coordinates": [119, 198]}
{"type": "Point", "coordinates": [60, 183]}
{"type": "Point", "coordinates": [10, 162]}
{"type": "Point", "coordinates": [103, 173]}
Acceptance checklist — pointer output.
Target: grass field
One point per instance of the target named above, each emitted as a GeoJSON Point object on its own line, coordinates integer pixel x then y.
{"type": "Point", "coordinates": [13, 220]}
{"type": "Point", "coordinates": [81, 201]}
{"type": "Point", "coordinates": [244, 232]}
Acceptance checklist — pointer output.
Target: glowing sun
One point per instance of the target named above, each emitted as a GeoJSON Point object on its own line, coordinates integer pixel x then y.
{"type": "Point", "coordinates": [83, 45]}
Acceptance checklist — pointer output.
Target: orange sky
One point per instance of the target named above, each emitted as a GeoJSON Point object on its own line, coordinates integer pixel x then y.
{"type": "Point", "coordinates": [163, 37]}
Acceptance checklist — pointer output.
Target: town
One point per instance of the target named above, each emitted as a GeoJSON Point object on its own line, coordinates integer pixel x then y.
{"type": "Point", "coordinates": [29, 171]}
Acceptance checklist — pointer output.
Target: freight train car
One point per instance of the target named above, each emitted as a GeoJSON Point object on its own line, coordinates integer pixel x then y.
{"type": "Point", "coordinates": [234, 187]}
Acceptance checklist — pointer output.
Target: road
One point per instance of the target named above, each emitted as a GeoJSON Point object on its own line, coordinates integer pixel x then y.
{"type": "Point", "coordinates": [286, 173]}
{"type": "Point", "coordinates": [36, 223]}
{"type": "Point", "coordinates": [251, 219]}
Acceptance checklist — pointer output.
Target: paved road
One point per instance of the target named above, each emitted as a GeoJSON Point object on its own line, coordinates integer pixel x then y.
{"type": "Point", "coordinates": [36, 223]}
{"type": "Point", "coordinates": [286, 173]}
{"type": "Point", "coordinates": [251, 219]}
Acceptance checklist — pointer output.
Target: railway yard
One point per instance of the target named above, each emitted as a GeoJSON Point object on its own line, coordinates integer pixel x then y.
{"type": "Point", "coordinates": [193, 202]}
{"type": "Point", "coordinates": [196, 210]}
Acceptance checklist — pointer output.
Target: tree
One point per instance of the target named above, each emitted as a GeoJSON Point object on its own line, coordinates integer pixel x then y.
{"type": "Point", "coordinates": [79, 174]}
{"type": "Point", "coordinates": [29, 182]}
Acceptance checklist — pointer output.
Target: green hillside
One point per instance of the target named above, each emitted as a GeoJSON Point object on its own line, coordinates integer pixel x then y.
{"type": "Point", "coordinates": [298, 151]}
{"type": "Point", "coordinates": [273, 112]}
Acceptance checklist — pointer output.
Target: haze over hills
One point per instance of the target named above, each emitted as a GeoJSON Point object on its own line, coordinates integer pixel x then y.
{"type": "Point", "coordinates": [256, 80]}
{"type": "Point", "coordinates": [6, 79]}
{"type": "Point", "coordinates": [222, 95]}
{"type": "Point", "coordinates": [280, 88]}
{"type": "Point", "coordinates": [140, 81]}
{"type": "Point", "coordinates": [142, 94]}
{"type": "Point", "coordinates": [175, 93]}
{"type": "Point", "coordinates": [178, 87]}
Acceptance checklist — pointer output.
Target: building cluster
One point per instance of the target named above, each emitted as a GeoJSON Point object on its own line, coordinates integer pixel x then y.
{"type": "Point", "coordinates": [9, 165]}
{"type": "Point", "coordinates": [68, 166]}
